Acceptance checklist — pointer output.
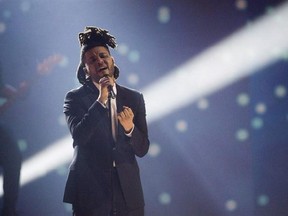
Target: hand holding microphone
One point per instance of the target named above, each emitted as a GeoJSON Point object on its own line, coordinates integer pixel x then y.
{"type": "Point", "coordinates": [110, 89]}
{"type": "Point", "coordinates": [106, 83]}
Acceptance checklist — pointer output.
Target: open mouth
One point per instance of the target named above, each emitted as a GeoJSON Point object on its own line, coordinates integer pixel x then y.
{"type": "Point", "coordinates": [102, 69]}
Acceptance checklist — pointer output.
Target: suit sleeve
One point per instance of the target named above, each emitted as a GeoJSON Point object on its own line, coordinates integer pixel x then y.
{"type": "Point", "coordinates": [139, 139]}
{"type": "Point", "coordinates": [83, 123]}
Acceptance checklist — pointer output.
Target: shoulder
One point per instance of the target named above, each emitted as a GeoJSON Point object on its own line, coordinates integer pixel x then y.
{"type": "Point", "coordinates": [79, 91]}
{"type": "Point", "coordinates": [128, 91]}
{"type": "Point", "coordinates": [130, 97]}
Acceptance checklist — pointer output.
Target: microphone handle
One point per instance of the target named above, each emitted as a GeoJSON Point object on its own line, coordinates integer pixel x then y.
{"type": "Point", "coordinates": [110, 89]}
{"type": "Point", "coordinates": [111, 92]}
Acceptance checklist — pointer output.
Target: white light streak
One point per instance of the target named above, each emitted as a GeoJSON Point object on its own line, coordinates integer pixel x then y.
{"type": "Point", "coordinates": [44, 162]}
{"type": "Point", "coordinates": [237, 56]}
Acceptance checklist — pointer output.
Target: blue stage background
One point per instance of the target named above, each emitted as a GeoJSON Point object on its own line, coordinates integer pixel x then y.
{"type": "Point", "coordinates": [222, 155]}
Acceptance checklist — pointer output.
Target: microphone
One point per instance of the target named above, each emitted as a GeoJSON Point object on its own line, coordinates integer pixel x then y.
{"type": "Point", "coordinates": [110, 89]}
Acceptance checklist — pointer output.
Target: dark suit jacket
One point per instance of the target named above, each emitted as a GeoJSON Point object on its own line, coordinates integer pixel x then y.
{"type": "Point", "coordinates": [89, 180]}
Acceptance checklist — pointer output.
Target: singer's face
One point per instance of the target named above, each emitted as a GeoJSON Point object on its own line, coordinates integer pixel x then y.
{"type": "Point", "coordinates": [98, 63]}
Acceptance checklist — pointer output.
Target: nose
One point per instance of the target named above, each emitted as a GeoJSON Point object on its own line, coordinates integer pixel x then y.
{"type": "Point", "coordinates": [99, 60]}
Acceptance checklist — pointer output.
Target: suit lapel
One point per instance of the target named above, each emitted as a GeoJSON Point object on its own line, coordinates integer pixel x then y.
{"type": "Point", "coordinates": [120, 98]}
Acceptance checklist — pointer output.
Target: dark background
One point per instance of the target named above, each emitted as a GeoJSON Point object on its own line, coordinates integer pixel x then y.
{"type": "Point", "coordinates": [197, 164]}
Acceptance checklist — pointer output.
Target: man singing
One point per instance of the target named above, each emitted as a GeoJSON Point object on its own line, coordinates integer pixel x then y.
{"type": "Point", "coordinates": [108, 125]}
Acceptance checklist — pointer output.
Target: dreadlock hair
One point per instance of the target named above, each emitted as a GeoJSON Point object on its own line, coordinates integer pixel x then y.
{"type": "Point", "coordinates": [89, 38]}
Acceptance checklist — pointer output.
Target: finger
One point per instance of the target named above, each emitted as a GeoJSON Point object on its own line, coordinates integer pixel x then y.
{"type": "Point", "coordinates": [125, 116]}
{"type": "Point", "coordinates": [126, 112]}
{"type": "Point", "coordinates": [105, 80]}
{"type": "Point", "coordinates": [121, 115]}
{"type": "Point", "coordinates": [130, 112]}
{"type": "Point", "coordinates": [127, 109]}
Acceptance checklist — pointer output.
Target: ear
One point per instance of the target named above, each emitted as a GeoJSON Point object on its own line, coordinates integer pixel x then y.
{"type": "Point", "coordinates": [116, 71]}
{"type": "Point", "coordinates": [85, 70]}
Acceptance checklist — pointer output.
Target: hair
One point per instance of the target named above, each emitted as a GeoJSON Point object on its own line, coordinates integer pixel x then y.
{"type": "Point", "coordinates": [89, 38]}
